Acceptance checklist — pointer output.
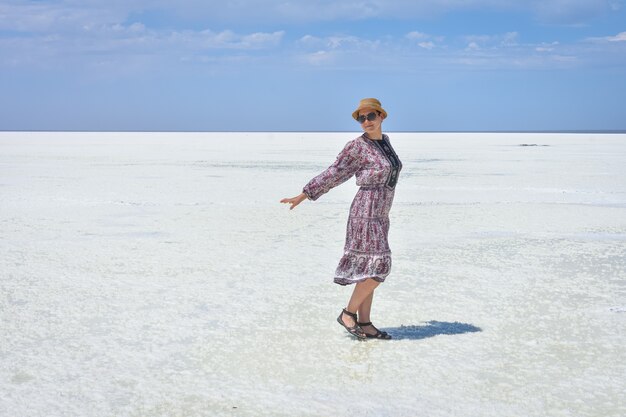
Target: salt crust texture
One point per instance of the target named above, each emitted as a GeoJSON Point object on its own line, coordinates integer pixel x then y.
{"type": "Point", "coordinates": [156, 274]}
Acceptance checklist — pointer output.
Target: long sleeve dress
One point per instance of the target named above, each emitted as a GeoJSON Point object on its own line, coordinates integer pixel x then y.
{"type": "Point", "coordinates": [376, 167]}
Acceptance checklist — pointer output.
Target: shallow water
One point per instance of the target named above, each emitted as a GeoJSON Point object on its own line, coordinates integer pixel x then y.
{"type": "Point", "coordinates": [156, 274]}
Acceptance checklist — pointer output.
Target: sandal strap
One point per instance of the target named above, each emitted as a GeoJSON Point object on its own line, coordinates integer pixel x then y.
{"type": "Point", "coordinates": [346, 312]}
{"type": "Point", "coordinates": [354, 330]}
{"type": "Point", "coordinates": [379, 335]}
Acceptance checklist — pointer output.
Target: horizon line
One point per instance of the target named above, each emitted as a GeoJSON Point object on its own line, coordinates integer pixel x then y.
{"type": "Point", "coordinates": [600, 131]}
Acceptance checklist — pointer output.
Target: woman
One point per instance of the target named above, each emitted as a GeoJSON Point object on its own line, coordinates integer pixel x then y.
{"type": "Point", "coordinates": [367, 259]}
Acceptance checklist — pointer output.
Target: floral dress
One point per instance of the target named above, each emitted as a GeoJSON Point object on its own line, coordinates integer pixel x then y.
{"type": "Point", "coordinates": [376, 167]}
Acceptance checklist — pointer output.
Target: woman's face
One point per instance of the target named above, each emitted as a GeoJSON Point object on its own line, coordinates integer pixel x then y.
{"type": "Point", "coordinates": [371, 126]}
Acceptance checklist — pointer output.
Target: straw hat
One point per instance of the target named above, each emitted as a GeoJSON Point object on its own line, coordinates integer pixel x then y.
{"type": "Point", "coordinates": [369, 103]}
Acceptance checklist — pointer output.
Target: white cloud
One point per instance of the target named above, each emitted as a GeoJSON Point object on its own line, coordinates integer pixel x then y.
{"type": "Point", "coordinates": [509, 39]}
{"type": "Point", "coordinates": [46, 16]}
{"type": "Point", "coordinates": [94, 29]}
{"type": "Point", "coordinates": [556, 11]}
{"type": "Point", "coordinates": [106, 46]}
{"type": "Point", "coordinates": [564, 58]}
{"type": "Point", "coordinates": [309, 40]}
{"type": "Point", "coordinates": [319, 58]}
{"type": "Point", "coordinates": [63, 15]}
{"type": "Point", "coordinates": [227, 39]}
{"type": "Point", "coordinates": [340, 51]}
{"type": "Point", "coordinates": [137, 27]}
{"type": "Point", "coordinates": [417, 35]}
{"type": "Point", "coordinates": [478, 38]}
{"type": "Point", "coordinates": [620, 37]}
{"type": "Point", "coordinates": [262, 40]}
{"type": "Point", "coordinates": [424, 40]}
{"type": "Point", "coordinates": [339, 43]}
{"type": "Point", "coordinates": [546, 47]}
{"type": "Point", "coordinates": [336, 42]}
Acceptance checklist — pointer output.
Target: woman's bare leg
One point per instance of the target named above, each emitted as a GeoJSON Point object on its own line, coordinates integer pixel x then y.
{"type": "Point", "coordinates": [364, 315]}
{"type": "Point", "coordinates": [362, 291]}
{"type": "Point", "coordinates": [366, 308]}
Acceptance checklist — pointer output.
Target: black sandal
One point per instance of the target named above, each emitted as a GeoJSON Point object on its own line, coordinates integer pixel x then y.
{"type": "Point", "coordinates": [355, 330]}
{"type": "Point", "coordinates": [377, 335]}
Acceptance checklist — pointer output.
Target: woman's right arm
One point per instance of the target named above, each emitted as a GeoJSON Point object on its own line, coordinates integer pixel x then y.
{"type": "Point", "coordinates": [294, 201]}
{"type": "Point", "coordinates": [344, 167]}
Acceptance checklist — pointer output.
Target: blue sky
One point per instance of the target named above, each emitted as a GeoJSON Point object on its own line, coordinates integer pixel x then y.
{"type": "Point", "coordinates": [239, 65]}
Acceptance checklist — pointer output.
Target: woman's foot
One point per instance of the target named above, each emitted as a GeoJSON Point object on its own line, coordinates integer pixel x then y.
{"type": "Point", "coordinates": [372, 332]}
{"type": "Point", "coordinates": [349, 322]}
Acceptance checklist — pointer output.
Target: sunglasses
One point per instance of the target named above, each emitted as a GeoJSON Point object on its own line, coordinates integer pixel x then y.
{"type": "Point", "coordinates": [370, 116]}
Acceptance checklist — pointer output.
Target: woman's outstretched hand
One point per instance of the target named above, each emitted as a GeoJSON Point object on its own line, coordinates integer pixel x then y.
{"type": "Point", "coordinates": [294, 201]}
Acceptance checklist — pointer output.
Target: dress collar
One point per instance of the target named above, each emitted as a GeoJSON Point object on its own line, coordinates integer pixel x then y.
{"type": "Point", "coordinates": [365, 135]}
